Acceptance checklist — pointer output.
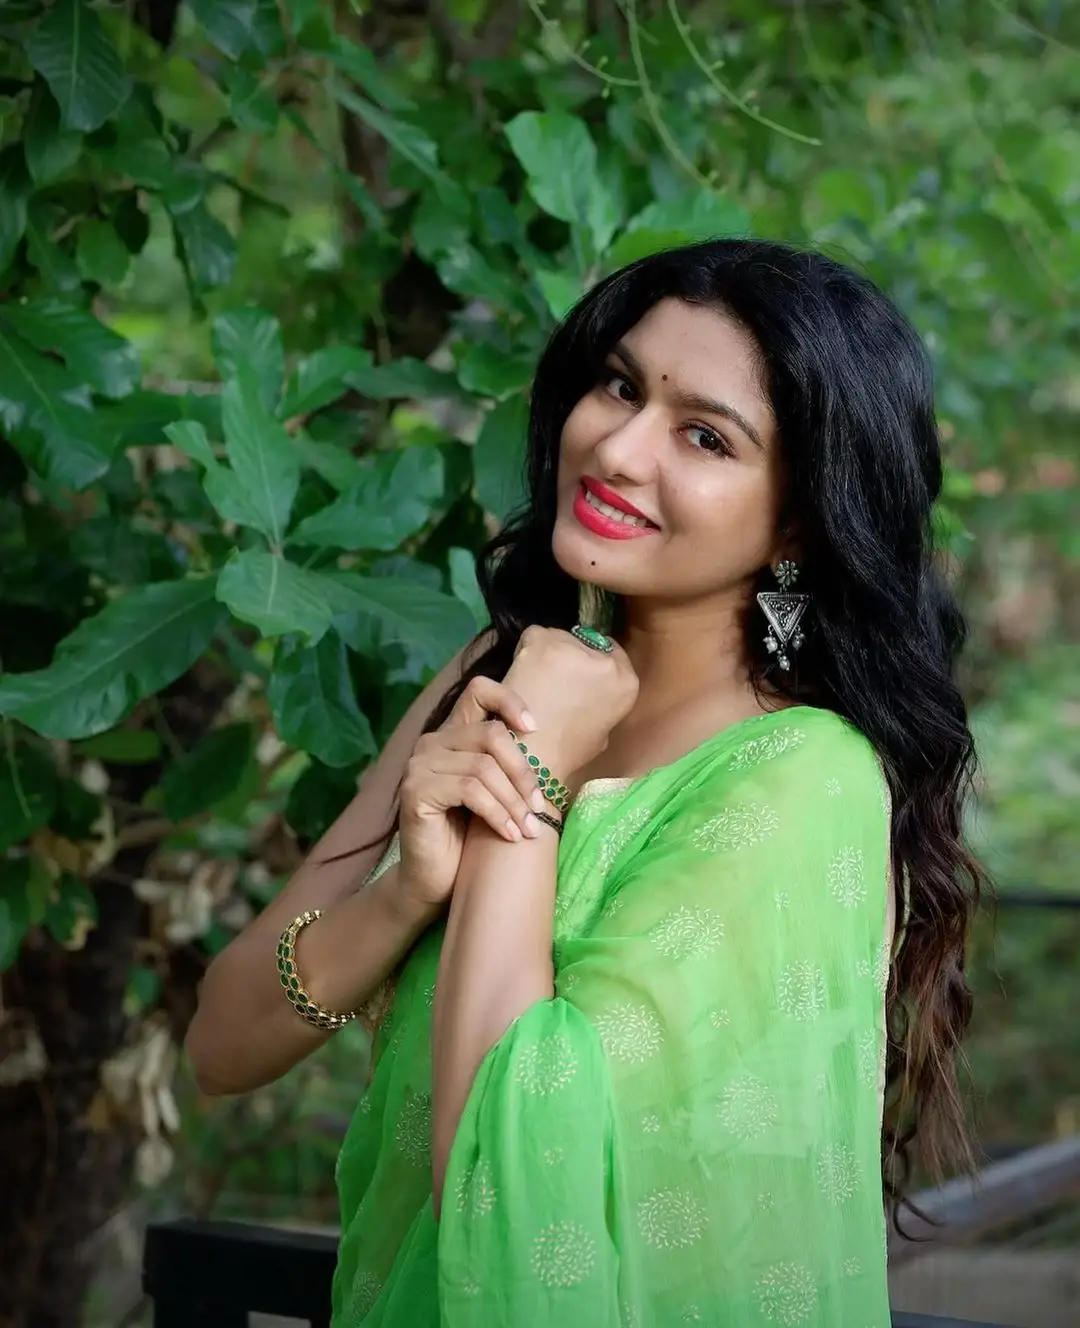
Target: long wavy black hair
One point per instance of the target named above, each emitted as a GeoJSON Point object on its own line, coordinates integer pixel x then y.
{"type": "Point", "coordinates": [851, 388]}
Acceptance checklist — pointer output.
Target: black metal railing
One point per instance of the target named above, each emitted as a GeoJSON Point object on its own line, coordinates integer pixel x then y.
{"type": "Point", "coordinates": [213, 1274]}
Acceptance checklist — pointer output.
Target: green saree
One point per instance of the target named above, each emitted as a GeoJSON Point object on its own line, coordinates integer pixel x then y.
{"type": "Point", "coordinates": [690, 1130]}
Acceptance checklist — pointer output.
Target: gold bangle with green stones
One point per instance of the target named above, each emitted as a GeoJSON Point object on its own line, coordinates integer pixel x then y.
{"type": "Point", "coordinates": [310, 1011]}
{"type": "Point", "coordinates": [551, 787]}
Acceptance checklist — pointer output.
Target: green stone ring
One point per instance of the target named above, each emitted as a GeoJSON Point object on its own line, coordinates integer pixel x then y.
{"type": "Point", "coordinates": [589, 636]}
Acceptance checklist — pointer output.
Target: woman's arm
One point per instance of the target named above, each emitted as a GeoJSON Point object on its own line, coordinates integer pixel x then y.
{"type": "Point", "coordinates": [496, 962]}
{"type": "Point", "coordinates": [245, 1033]}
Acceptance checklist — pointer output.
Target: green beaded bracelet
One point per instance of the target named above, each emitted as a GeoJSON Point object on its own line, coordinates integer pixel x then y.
{"type": "Point", "coordinates": [551, 787]}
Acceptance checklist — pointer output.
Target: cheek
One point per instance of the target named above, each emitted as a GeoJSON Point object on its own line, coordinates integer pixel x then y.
{"type": "Point", "coordinates": [732, 513]}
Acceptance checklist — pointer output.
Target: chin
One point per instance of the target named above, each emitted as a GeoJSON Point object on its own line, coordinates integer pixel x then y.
{"type": "Point", "coordinates": [586, 558]}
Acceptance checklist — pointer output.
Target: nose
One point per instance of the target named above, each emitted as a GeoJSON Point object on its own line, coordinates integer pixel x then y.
{"type": "Point", "coordinates": [631, 449]}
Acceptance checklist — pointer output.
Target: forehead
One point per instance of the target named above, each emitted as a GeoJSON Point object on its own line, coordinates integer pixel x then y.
{"type": "Point", "coordinates": [700, 350]}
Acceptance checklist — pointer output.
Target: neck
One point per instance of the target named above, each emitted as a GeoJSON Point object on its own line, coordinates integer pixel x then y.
{"type": "Point", "coordinates": [685, 652]}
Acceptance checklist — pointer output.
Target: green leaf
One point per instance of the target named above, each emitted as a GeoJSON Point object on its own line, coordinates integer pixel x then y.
{"type": "Point", "coordinates": [488, 371]}
{"type": "Point", "coordinates": [672, 222]}
{"type": "Point", "coordinates": [53, 258]}
{"type": "Point", "coordinates": [135, 149]}
{"type": "Point", "coordinates": [15, 190]}
{"type": "Point", "coordinates": [262, 455]}
{"type": "Point", "coordinates": [207, 249]}
{"type": "Point", "coordinates": [561, 290]}
{"type": "Point", "coordinates": [337, 466]}
{"type": "Point", "coordinates": [68, 446]}
{"type": "Point", "coordinates": [499, 457]}
{"type": "Point", "coordinates": [559, 160]}
{"type": "Point", "coordinates": [360, 65]}
{"type": "Point", "coordinates": [251, 105]}
{"type": "Point", "coordinates": [101, 254]}
{"type": "Point", "coordinates": [137, 644]}
{"type": "Point", "coordinates": [427, 623]}
{"type": "Point", "coordinates": [122, 746]}
{"type": "Point", "coordinates": [394, 500]}
{"type": "Point", "coordinates": [94, 353]}
{"type": "Point", "coordinates": [317, 799]}
{"type": "Point", "coordinates": [28, 787]}
{"type": "Point", "coordinates": [313, 702]}
{"type": "Point", "coordinates": [209, 773]}
{"type": "Point", "coordinates": [71, 52]}
{"type": "Point", "coordinates": [14, 908]}
{"type": "Point", "coordinates": [321, 378]}
{"type": "Point", "coordinates": [408, 141]}
{"type": "Point", "coordinates": [72, 912]}
{"type": "Point", "coordinates": [190, 437]}
{"type": "Point", "coordinates": [50, 150]}
{"type": "Point", "coordinates": [402, 378]}
{"type": "Point", "coordinates": [228, 23]}
{"type": "Point", "coordinates": [465, 586]}
{"type": "Point", "coordinates": [275, 596]}
{"type": "Point", "coordinates": [251, 337]}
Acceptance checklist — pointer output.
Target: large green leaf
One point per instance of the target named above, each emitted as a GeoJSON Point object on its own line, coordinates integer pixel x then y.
{"type": "Point", "coordinates": [94, 353]}
{"type": "Point", "coordinates": [251, 337]}
{"type": "Point", "coordinates": [47, 418]}
{"type": "Point", "coordinates": [668, 223]}
{"type": "Point", "coordinates": [70, 50]}
{"type": "Point", "coordinates": [358, 63]}
{"type": "Point", "coordinates": [274, 595]}
{"type": "Point", "coordinates": [408, 140]}
{"type": "Point", "coordinates": [28, 787]}
{"type": "Point", "coordinates": [49, 249]}
{"type": "Point", "coordinates": [228, 23]}
{"type": "Point", "coordinates": [338, 467]}
{"type": "Point", "coordinates": [393, 501]}
{"type": "Point", "coordinates": [262, 455]}
{"type": "Point", "coordinates": [209, 773]}
{"type": "Point", "coordinates": [206, 247]}
{"type": "Point", "coordinates": [50, 150]}
{"type": "Point", "coordinates": [559, 159]}
{"type": "Point", "coordinates": [427, 623]}
{"type": "Point", "coordinates": [251, 104]}
{"type": "Point", "coordinates": [322, 377]}
{"type": "Point", "coordinates": [101, 254]}
{"type": "Point", "coordinates": [313, 701]}
{"type": "Point", "coordinates": [135, 646]}
{"type": "Point", "coordinates": [15, 190]}
{"type": "Point", "coordinates": [499, 457]}
{"type": "Point", "coordinates": [402, 378]}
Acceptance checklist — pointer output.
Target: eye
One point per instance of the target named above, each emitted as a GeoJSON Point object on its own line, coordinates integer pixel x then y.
{"type": "Point", "coordinates": [620, 387]}
{"type": "Point", "coordinates": [707, 440]}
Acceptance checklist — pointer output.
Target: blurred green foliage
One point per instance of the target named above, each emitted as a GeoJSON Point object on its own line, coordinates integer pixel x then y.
{"type": "Point", "coordinates": [274, 283]}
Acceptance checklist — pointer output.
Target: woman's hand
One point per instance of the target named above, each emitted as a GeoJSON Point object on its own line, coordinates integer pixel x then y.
{"type": "Point", "coordinates": [577, 695]}
{"type": "Point", "coordinates": [470, 764]}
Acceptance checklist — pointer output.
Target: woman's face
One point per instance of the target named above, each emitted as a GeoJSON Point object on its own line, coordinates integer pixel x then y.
{"type": "Point", "coordinates": [680, 432]}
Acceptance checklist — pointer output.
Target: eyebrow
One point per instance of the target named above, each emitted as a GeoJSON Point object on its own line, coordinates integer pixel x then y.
{"type": "Point", "coordinates": [694, 400]}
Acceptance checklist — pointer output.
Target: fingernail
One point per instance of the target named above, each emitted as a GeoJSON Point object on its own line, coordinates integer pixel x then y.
{"type": "Point", "coordinates": [537, 800]}
{"type": "Point", "coordinates": [513, 831]}
{"type": "Point", "coordinates": [527, 722]}
{"type": "Point", "coordinates": [531, 826]}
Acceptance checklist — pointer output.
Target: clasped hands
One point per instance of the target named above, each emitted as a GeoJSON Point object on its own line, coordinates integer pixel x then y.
{"type": "Point", "coordinates": [561, 697]}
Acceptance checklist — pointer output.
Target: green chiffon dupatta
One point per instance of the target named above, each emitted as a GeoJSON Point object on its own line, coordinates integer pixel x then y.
{"type": "Point", "coordinates": [690, 1131]}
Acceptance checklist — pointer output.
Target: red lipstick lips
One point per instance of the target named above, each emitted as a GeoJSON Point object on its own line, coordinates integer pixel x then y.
{"type": "Point", "coordinates": [603, 523]}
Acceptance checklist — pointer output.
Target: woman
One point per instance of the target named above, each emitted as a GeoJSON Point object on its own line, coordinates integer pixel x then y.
{"type": "Point", "coordinates": [634, 1067]}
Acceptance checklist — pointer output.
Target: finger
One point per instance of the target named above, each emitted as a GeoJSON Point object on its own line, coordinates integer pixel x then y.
{"type": "Point", "coordinates": [493, 737]}
{"type": "Point", "coordinates": [483, 697]}
{"type": "Point", "coordinates": [438, 786]}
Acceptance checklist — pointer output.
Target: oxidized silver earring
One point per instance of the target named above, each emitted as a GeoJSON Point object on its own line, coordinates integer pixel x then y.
{"type": "Point", "coordinates": [783, 611]}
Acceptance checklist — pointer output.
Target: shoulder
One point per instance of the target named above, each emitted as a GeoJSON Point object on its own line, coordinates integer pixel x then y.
{"type": "Point", "coordinates": [806, 754]}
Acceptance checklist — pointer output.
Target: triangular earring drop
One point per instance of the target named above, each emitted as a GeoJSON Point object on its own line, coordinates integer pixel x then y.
{"type": "Point", "coordinates": [783, 611]}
